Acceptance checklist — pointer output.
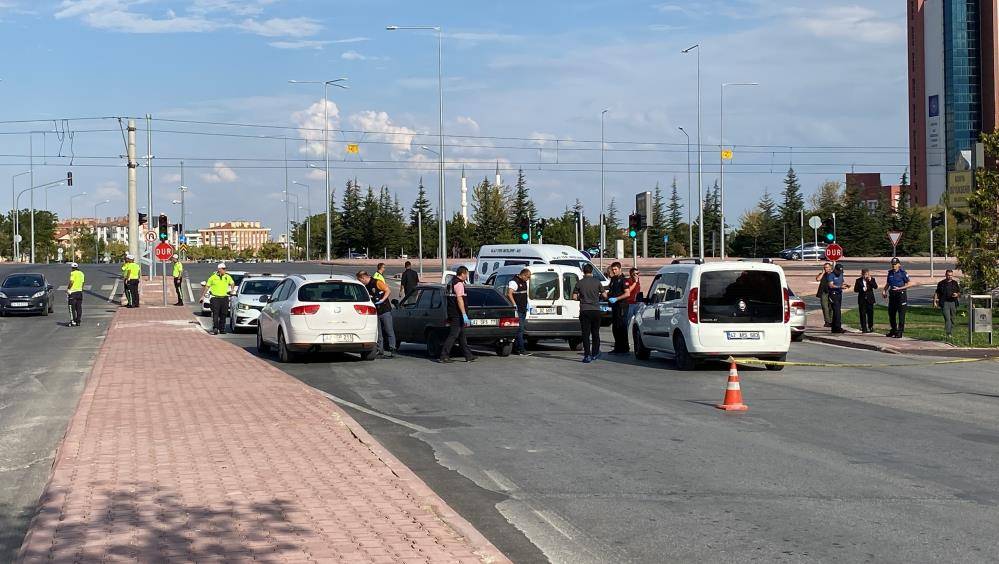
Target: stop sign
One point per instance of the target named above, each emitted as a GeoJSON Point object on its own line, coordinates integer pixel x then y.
{"type": "Point", "coordinates": [164, 252]}
{"type": "Point", "coordinates": [834, 252]}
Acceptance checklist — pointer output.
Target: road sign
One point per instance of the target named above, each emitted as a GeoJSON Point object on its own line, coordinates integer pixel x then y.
{"type": "Point", "coordinates": [666, 238]}
{"type": "Point", "coordinates": [726, 154]}
{"type": "Point", "coordinates": [894, 237]}
{"type": "Point", "coordinates": [150, 236]}
{"type": "Point", "coordinates": [834, 252]}
{"type": "Point", "coordinates": [18, 238]}
{"type": "Point", "coordinates": [182, 238]}
{"type": "Point", "coordinates": [815, 222]}
{"type": "Point", "coordinates": [182, 248]}
{"type": "Point", "coordinates": [353, 148]}
{"type": "Point", "coordinates": [164, 252]}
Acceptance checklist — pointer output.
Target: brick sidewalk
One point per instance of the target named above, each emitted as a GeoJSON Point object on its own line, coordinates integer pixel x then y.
{"type": "Point", "coordinates": [222, 457]}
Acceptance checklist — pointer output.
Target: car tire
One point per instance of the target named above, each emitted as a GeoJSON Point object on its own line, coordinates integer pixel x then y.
{"type": "Point", "coordinates": [798, 337]}
{"type": "Point", "coordinates": [504, 349]}
{"type": "Point", "coordinates": [680, 353]}
{"type": "Point", "coordinates": [641, 351]}
{"type": "Point", "coordinates": [370, 355]}
{"type": "Point", "coordinates": [285, 354]}
{"type": "Point", "coordinates": [46, 310]}
{"type": "Point", "coordinates": [795, 256]}
{"type": "Point", "coordinates": [777, 367]}
{"type": "Point", "coordinates": [434, 344]}
{"type": "Point", "coordinates": [575, 343]}
{"type": "Point", "coordinates": [262, 346]}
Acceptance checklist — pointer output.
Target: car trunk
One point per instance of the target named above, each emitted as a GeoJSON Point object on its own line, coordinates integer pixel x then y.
{"type": "Point", "coordinates": [740, 310]}
{"type": "Point", "coordinates": [486, 307]}
{"type": "Point", "coordinates": [340, 305]}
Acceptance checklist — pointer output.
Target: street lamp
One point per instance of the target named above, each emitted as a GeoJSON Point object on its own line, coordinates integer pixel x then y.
{"type": "Point", "coordinates": [721, 159]}
{"type": "Point", "coordinates": [15, 213]}
{"type": "Point", "coordinates": [690, 223]}
{"type": "Point", "coordinates": [17, 203]}
{"type": "Point", "coordinates": [72, 236]}
{"type": "Point", "coordinates": [700, 182]}
{"type": "Point", "coordinates": [97, 259]}
{"type": "Point", "coordinates": [308, 222]}
{"type": "Point", "coordinates": [288, 195]}
{"type": "Point", "coordinates": [442, 223]}
{"type": "Point", "coordinates": [603, 228]}
{"type": "Point", "coordinates": [326, 154]}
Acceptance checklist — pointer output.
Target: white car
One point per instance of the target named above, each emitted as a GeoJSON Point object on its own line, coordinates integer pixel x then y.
{"type": "Point", "coordinates": [245, 306]}
{"type": "Point", "coordinates": [697, 311]}
{"type": "Point", "coordinates": [206, 300]}
{"type": "Point", "coordinates": [552, 313]}
{"type": "Point", "coordinates": [317, 312]}
{"type": "Point", "coordinates": [799, 317]}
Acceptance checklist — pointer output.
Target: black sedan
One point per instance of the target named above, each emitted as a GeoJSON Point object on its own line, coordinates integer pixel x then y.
{"type": "Point", "coordinates": [26, 293]}
{"type": "Point", "coordinates": [422, 318]}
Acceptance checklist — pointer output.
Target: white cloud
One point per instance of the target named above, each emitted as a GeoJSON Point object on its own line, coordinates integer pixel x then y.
{"type": "Point", "coordinates": [299, 44]}
{"type": "Point", "coordinates": [282, 27]}
{"type": "Point", "coordinates": [310, 123]}
{"type": "Point", "coordinates": [400, 136]}
{"type": "Point", "coordinates": [108, 190]}
{"type": "Point", "coordinates": [170, 178]}
{"type": "Point", "coordinates": [355, 56]}
{"type": "Point", "coordinates": [351, 40]}
{"type": "Point", "coordinates": [854, 23]}
{"type": "Point", "coordinates": [220, 173]}
{"type": "Point", "coordinates": [483, 37]}
{"type": "Point", "coordinates": [235, 7]}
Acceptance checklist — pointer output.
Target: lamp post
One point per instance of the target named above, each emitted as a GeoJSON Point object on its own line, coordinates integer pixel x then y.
{"type": "Point", "coordinates": [326, 154]}
{"type": "Point", "coordinates": [603, 228]}
{"type": "Point", "coordinates": [15, 213]}
{"type": "Point", "coordinates": [17, 204]}
{"type": "Point", "coordinates": [721, 159]}
{"type": "Point", "coordinates": [700, 182]}
{"type": "Point", "coordinates": [690, 223]}
{"type": "Point", "coordinates": [288, 195]}
{"type": "Point", "coordinates": [97, 258]}
{"type": "Point", "coordinates": [440, 130]}
{"type": "Point", "coordinates": [72, 236]}
{"type": "Point", "coordinates": [308, 222]}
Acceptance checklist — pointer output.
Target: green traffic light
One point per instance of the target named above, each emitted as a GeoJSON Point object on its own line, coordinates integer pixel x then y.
{"type": "Point", "coordinates": [830, 237]}
{"type": "Point", "coordinates": [633, 233]}
{"type": "Point", "coordinates": [524, 236]}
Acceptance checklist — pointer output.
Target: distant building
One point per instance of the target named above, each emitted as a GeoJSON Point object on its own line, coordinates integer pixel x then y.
{"type": "Point", "coordinates": [872, 191]}
{"type": "Point", "coordinates": [235, 235]}
{"type": "Point", "coordinates": [113, 230]}
{"type": "Point", "coordinates": [193, 238]}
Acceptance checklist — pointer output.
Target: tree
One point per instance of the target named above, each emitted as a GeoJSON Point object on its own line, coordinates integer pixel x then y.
{"type": "Point", "coordinates": [826, 201]}
{"type": "Point", "coordinates": [353, 222]}
{"type": "Point", "coordinates": [752, 226]}
{"type": "Point", "coordinates": [612, 223]}
{"type": "Point", "coordinates": [271, 251]}
{"type": "Point", "coordinates": [712, 220]}
{"type": "Point", "coordinates": [460, 237]}
{"type": "Point", "coordinates": [523, 208]}
{"type": "Point", "coordinates": [912, 222]}
{"type": "Point", "coordinates": [792, 201]}
{"type": "Point", "coordinates": [978, 256]}
{"type": "Point", "coordinates": [422, 214]}
{"type": "Point", "coordinates": [857, 229]}
{"type": "Point", "coordinates": [659, 226]}
{"type": "Point", "coordinates": [490, 218]}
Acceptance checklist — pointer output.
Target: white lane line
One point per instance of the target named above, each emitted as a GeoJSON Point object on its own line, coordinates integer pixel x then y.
{"type": "Point", "coordinates": [88, 287]}
{"type": "Point", "coordinates": [458, 448]}
{"type": "Point", "coordinates": [190, 292]}
{"type": "Point", "coordinates": [106, 287]}
{"type": "Point", "coordinates": [555, 521]}
{"type": "Point", "coordinates": [407, 408]}
{"type": "Point", "coordinates": [114, 289]}
{"type": "Point", "coordinates": [61, 288]}
{"type": "Point", "coordinates": [502, 481]}
{"type": "Point", "coordinates": [407, 424]}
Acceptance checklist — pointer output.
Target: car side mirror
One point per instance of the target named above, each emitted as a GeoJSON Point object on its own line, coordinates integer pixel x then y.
{"type": "Point", "coordinates": [49, 287]}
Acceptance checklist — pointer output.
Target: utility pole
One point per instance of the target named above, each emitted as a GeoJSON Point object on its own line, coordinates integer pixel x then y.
{"type": "Point", "coordinates": [133, 211]}
{"type": "Point", "coordinates": [183, 213]}
{"type": "Point", "coordinates": [149, 189]}
{"type": "Point", "coordinates": [31, 178]}
{"type": "Point", "coordinates": [287, 220]}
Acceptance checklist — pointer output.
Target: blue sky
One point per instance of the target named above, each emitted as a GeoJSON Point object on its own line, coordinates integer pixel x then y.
{"type": "Point", "coordinates": [831, 74]}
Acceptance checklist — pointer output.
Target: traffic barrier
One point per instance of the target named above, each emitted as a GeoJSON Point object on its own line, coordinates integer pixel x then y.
{"type": "Point", "coordinates": [733, 392]}
{"type": "Point", "coordinates": [760, 362]}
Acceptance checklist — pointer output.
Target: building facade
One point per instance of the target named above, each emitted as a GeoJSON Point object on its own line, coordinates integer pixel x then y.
{"type": "Point", "coordinates": [871, 191]}
{"type": "Point", "coordinates": [235, 235]}
{"type": "Point", "coordinates": [952, 67]}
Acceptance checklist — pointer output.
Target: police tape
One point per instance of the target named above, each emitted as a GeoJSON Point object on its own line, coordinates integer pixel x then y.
{"type": "Point", "coordinates": [761, 362]}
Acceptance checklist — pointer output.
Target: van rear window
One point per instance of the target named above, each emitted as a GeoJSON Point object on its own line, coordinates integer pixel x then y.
{"type": "Point", "coordinates": [741, 296]}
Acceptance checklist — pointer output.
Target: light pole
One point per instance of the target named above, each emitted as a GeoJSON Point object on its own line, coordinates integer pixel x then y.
{"type": "Point", "coordinates": [690, 223]}
{"type": "Point", "coordinates": [700, 182]}
{"type": "Point", "coordinates": [15, 213]}
{"type": "Point", "coordinates": [603, 228]}
{"type": "Point", "coordinates": [721, 159]}
{"type": "Point", "coordinates": [288, 195]}
{"type": "Point", "coordinates": [440, 131]}
{"type": "Point", "coordinates": [308, 222]}
{"type": "Point", "coordinates": [97, 258]}
{"type": "Point", "coordinates": [326, 154]}
{"type": "Point", "coordinates": [72, 235]}
{"type": "Point", "coordinates": [17, 204]}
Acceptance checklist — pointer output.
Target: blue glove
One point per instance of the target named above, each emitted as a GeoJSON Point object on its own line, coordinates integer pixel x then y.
{"type": "Point", "coordinates": [464, 317]}
{"type": "Point", "coordinates": [611, 300]}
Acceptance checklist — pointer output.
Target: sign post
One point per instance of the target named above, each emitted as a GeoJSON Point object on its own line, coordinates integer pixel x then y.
{"type": "Point", "coordinates": [814, 222]}
{"type": "Point", "coordinates": [164, 252]}
{"type": "Point", "coordinates": [894, 237]}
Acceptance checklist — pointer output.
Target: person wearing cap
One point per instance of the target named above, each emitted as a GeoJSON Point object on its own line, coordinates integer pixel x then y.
{"type": "Point", "coordinates": [178, 278]}
{"type": "Point", "coordinates": [219, 285]}
{"type": "Point", "coordinates": [834, 288]}
{"type": "Point", "coordinates": [895, 292]}
{"type": "Point", "coordinates": [130, 272]}
{"type": "Point", "coordinates": [380, 294]}
{"type": "Point", "coordinates": [75, 292]}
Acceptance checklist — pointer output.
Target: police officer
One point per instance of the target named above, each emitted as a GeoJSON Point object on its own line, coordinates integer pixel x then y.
{"type": "Point", "coordinates": [218, 286]}
{"type": "Point", "coordinates": [617, 294]}
{"type": "Point", "coordinates": [835, 286]}
{"type": "Point", "coordinates": [130, 272]}
{"type": "Point", "coordinates": [457, 316]}
{"type": "Point", "coordinates": [178, 278]}
{"type": "Point", "coordinates": [380, 293]}
{"type": "Point", "coordinates": [895, 292]}
{"type": "Point", "coordinates": [516, 292]}
{"type": "Point", "coordinates": [75, 292]}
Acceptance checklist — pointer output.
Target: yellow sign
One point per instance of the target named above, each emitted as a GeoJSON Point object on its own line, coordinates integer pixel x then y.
{"type": "Point", "coordinates": [727, 154]}
{"type": "Point", "coordinates": [353, 148]}
{"type": "Point", "coordinates": [182, 248]}
{"type": "Point", "coordinates": [959, 185]}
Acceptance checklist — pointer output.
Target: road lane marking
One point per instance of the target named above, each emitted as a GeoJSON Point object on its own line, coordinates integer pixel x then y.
{"type": "Point", "coordinates": [555, 522]}
{"type": "Point", "coordinates": [502, 481]}
{"type": "Point", "coordinates": [759, 362]}
{"type": "Point", "coordinates": [397, 421]}
{"type": "Point", "coordinates": [458, 448]}
{"type": "Point", "coordinates": [386, 393]}
{"type": "Point", "coordinates": [106, 287]}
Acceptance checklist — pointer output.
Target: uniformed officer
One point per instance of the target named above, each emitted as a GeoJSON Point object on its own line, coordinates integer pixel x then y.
{"type": "Point", "coordinates": [219, 285]}
{"type": "Point", "coordinates": [457, 316]}
{"type": "Point", "coordinates": [516, 292]}
{"type": "Point", "coordinates": [130, 273]}
{"type": "Point", "coordinates": [895, 292]}
{"type": "Point", "coordinates": [178, 278]}
{"type": "Point", "coordinates": [75, 292]}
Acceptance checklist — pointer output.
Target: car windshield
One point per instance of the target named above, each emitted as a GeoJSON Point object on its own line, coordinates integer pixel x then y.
{"type": "Point", "coordinates": [485, 297]}
{"type": "Point", "coordinates": [237, 278]}
{"type": "Point", "coordinates": [23, 281]}
{"type": "Point", "coordinates": [259, 287]}
{"type": "Point", "coordinates": [333, 292]}
{"type": "Point", "coordinates": [741, 296]}
{"type": "Point", "coordinates": [578, 263]}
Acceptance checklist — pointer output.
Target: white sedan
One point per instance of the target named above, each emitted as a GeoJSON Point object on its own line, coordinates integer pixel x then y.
{"type": "Point", "coordinates": [245, 305]}
{"type": "Point", "coordinates": [316, 312]}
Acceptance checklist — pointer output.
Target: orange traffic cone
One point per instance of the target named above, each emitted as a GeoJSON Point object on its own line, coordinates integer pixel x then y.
{"type": "Point", "coordinates": [733, 393]}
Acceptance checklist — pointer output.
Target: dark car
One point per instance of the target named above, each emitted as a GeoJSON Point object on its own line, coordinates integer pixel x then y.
{"type": "Point", "coordinates": [25, 293]}
{"type": "Point", "coordinates": [808, 251]}
{"type": "Point", "coordinates": [421, 317]}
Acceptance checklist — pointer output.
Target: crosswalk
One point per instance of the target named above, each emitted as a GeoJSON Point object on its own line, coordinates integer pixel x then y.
{"type": "Point", "coordinates": [87, 288]}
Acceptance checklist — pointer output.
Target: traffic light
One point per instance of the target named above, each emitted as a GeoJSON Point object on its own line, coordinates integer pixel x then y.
{"type": "Point", "coordinates": [69, 179]}
{"type": "Point", "coordinates": [634, 224]}
{"type": "Point", "coordinates": [525, 231]}
{"type": "Point", "coordinates": [936, 220]}
{"type": "Point", "coordinates": [143, 219]}
{"type": "Point", "coordinates": [829, 226]}
{"type": "Point", "coordinates": [164, 226]}
{"type": "Point", "coordinates": [541, 228]}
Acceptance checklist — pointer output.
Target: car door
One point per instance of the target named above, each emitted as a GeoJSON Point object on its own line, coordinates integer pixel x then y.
{"type": "Point", "coordinates": [673, 311]}
{"type": "Point", "coordinates": [402, 317]}
{"type": "Point", "coordinates": [651, 313]}
{"type": "Point", "coordinates": [269, 314]}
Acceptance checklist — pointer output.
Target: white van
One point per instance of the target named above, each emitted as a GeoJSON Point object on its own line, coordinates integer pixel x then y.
{"type": "Point", "coordinates": [552, 313]}
{"type": "Point", "coordinates": [492, 257]}
{"type": "Point", "coordinates": [695, 311]}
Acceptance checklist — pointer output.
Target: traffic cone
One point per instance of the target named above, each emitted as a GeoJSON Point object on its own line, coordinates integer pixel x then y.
{"type": "Point", "coordinates": [733, 393]}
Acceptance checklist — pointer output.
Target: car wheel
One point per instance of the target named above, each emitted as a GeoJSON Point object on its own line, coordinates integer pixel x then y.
{"type": "Point", "coordinates": [682, 356]}
{"type": "Point", "coordinates": [778, 367]}
{"type": "Point", "coordinates": [795, 256]}
{"type": "Point", "coordinates": [798, 337]}
{"type": "Point", "coordinates": [46, 310]}
{"type": "Point", "coordinates": [262, 346]}
{"type": "Point", "coordinates": [284, 354]}
{"type": "Point", "coordinates": [575, 344]}
{"type": "Point", "coordinates": [504, 349]}
{"type": "Point", "coordinates": [434, 344]}
{"type": "Point", "coordinates": [369, 355]}
{"type": "Point", "coordinates": [641, 351]}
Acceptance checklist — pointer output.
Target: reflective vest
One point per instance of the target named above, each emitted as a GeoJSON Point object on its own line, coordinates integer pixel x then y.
{"type": "Point", "coordinates": [520, 294]}
{"type": "Point", "coordinates": [75, 282]}
{"type": "Point", "coordinates": [130, 271]}
{"type": "Point", "coordinates": [178, 269]}
{"type": "Point", "coordinates": [218, 286]}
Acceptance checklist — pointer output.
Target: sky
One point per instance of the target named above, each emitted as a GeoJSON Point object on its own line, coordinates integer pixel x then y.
{"type": "Point", "coordinates": [524, 87]}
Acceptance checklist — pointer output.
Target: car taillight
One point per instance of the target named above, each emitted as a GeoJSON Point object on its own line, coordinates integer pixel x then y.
{"type": "Point", "coordinates": [509, 322]}
{"type": "Point", "coordinates": [305, 309]}
{"type": "Point", "coordinates": [693, 314]}
{"type": "Point", "coordinates": [365, 309]}
{"type": "Point", "coordinates": [798, 305]}
{"type": "Point", "coordinates": [787, 306]}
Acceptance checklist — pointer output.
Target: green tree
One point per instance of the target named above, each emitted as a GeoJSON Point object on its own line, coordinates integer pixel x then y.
{"type": "Point", "coordinates": [461, 238]}
{"type": "Point", "coordinates": [771, 238]}
{"type": "Point", "coordinates": [659, 225]}
{"type": "Point", "coordinates": [792, 201]}
{"type": "Point", "coordinates": [353, 218]}
{"type": "Point", "coordinates": [913, 223]}
{"type": "Point", "coordinates": [978, 256]}
{"type": "Point", "coordinates": [490, 219]}
{"type": "Point", "coordinates": [422, 214]}
{"type": "Point", "coordinates": [752, 227]}
{"type": "Point", "coordinates": [712, 220]}
{"type": "Point", "coordinates": [523, 208]}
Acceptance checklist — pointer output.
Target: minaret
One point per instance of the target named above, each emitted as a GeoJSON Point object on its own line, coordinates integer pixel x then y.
{"type": "Point", "coordinates": [464, 195]}
{"type": "Point", "coordinates": [499, 180]}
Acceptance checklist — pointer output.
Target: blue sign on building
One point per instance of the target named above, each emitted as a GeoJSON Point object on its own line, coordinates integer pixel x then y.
{"type": "Point", "coordinates": [934, 105]}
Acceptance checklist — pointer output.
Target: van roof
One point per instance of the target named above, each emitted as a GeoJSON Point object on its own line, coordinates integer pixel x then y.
{"type": "Point", "coordinates": [516, 268]}
{"type": "Point", "coordinates": [543, 252]}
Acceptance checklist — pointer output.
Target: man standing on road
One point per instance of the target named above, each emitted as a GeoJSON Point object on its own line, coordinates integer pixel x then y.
{"type": "Point", "coordinates": [457, 317]}
{"type": "Point", "coordinates": [588, 293]}
{"type": "Point", "coordinates": [633, 285]}
{"type": "Point", "coordinates": [219, 285]}
{"type": "Point", "coordinates": [75, 292]}
{"type": "Point", "coordinates": [618, 298]}
{"type": "Point", "coordinates": [516, 292]}
{"type": "Point", "coordinates": [836, 285]}
{"type": "Point", "coordinates": [130, 273]}
{"type": "Point", "coordinates": [178, 278]}
{"type": "Point", "coordinates": [864, 287]}
{"type": "Point", "coordinates": [946, 297]}
{"type": "Point", "coordinates": [823, 293]}
{"type": "Point", "coordinates": [380, 293]}
{"type": "Point", "coordinates": [410, 280]}
{"type": "Point", "coordinates": [895, 292]}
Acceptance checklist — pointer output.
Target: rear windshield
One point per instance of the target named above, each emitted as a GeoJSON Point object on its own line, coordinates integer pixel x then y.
{"type": "Point", "coordinates": [578, 263]}
{"type": "Point", "coordinates": [544, 286]}
{"type": "Point", "coordinates": [23, 281]}
{"type": "Point", "coordinates": [333, 292]}
{"type": "Point", "coordinates": [485, 297]}
{"type": "Point", "coordinates": [259, 287]}
{"type": "Point", "coordinates": [741, 296]}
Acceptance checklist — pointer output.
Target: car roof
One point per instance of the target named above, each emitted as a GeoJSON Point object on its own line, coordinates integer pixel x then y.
{"type": "Point", "coordinates": [24, 274]}
{"type": "Point", "coordinates": [325, 278]}
{"type": "Point", "coordinates": [516, 268]}
{"type": "Point", "coordinates": [720, 266]}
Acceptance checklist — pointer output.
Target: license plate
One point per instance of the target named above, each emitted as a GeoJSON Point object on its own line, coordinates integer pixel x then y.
{"type": "Point", "coordinates": [485, 322]}
{"type": "Point", "coordinates": [339, 338]}
{"type": "Point", "coordinates": [544, 310]}
{"type": "Point", "coordinates": [743, 335]}
{"type": "Point", "coordinates": [18, 304]}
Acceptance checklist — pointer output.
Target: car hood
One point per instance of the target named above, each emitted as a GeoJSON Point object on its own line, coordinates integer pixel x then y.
{"type": "Point", "coordinates": [21, 291]}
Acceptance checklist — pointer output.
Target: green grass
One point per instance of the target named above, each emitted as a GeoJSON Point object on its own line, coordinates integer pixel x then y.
{"type": "Point", "coordinates": [925, 323]}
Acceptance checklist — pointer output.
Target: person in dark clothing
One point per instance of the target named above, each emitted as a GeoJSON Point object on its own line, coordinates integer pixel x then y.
{"type": "Point", "coordinates": [410, 280]}
{"type": "Point", "coordinates": [516, 292]}
{"type": "Point", "coordinates": [823, 293]}
{"type": "Point", "coordinates": [457, 317]}
{"type": "Point", "coordinates": [380, 294]}
{"type": "Point", "coordinates": [617, 294]}
{"type": "Point", "coordinates": [946, 297]}
{"type": "Point", "coordinates": [588, 292]}
{"type": "Point", "coordinates": [895, 292]}
{"type": "Point", "coordinates": [864, 287]}
{"type": "Point", "coordinates": [836, 285]}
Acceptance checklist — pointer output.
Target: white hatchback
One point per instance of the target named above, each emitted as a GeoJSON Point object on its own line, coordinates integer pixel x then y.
{"type": "Point", "coordinates": [316, 312]}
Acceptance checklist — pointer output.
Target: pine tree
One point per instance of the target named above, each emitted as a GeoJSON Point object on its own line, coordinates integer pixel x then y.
{"type": "Point", "coordinates": [490, 218]}
{"type": "Point", "coordinates": [422, 215]}
{"type": "Point", "coordinates": [912, 222]}
{"type": "Point", "coordinates": [659, 225]}
{"type": "Point", "coordinates": [352, 219]}
{"type": "Point", "coordinates": [792, 201]}
{"type": "Point", "coordinates": [712, 221]}
{"type": "Point", "coordinates": [612, 223]}
{"type": "Point", "coordinates": [461, 238]}
{"type": "Point", "coordinates": [674, 221]}
{"type": "Point", "coordinates": [771, 237]}
{"type": "Point", "coordinates": [523, 209]}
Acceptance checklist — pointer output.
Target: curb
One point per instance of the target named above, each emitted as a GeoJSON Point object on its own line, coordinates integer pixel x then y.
{"type": "Point", "coordinates": [961, 352]}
